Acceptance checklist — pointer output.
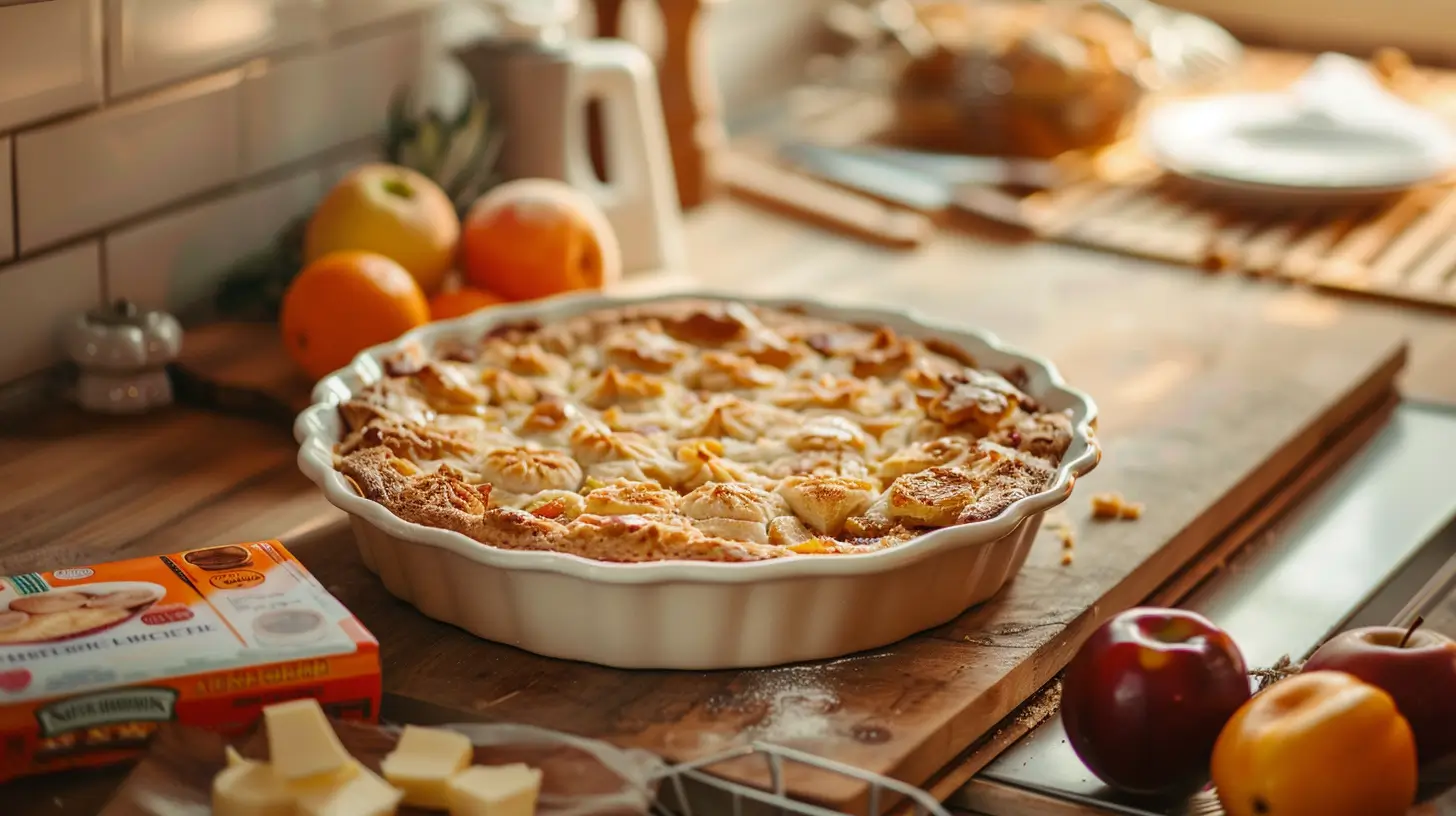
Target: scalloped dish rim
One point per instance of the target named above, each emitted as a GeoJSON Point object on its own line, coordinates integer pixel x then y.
{"type": "Point", "coordinates": [317, 429]}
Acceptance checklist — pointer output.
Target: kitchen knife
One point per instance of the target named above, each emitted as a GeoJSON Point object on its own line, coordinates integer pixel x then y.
{"type": "Point", "coordinates": [880, 166]}
{"type": "Point", "coordinates": [802, 196]}
{"type": "Point", "coordinates": [955, 169]}
{"type": "Point", "coordinates": [937, 185]}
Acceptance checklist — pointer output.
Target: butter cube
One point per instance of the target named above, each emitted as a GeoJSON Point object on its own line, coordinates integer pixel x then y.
{"type": "Point", "coordinates": [359, 792]}
{"type": "Point", "coordinates": [423, 762]}
{"type": "Point", "coordinates": [247, 788]}
{"type": "Point", "coordinates": [495, 790]}
{"type": "Point", "coordinates": [301, 742]}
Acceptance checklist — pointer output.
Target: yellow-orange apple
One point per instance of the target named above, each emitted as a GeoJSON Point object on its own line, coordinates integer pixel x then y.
{"type": "Point", "coordinates": [392, 211]}
{"type": "Point", "coordinates": [533, 238]}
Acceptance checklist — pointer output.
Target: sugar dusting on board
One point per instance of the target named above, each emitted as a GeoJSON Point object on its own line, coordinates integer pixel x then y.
{"type": "Point", "coordinates": [799, 702]}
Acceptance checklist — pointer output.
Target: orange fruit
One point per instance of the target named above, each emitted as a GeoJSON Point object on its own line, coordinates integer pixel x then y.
{"type": "Point", "coordinates": [344, 303]}
{"type": "Point", "coordinates": [461, 301]}
{"type": "Point", "coordinates": [395, 211]}
{"type": "Point", "coordinates": [534, 238]}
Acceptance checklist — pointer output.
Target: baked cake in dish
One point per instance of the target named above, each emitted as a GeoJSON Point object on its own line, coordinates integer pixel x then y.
{"type": "Point", "coordinates": [695, 430]}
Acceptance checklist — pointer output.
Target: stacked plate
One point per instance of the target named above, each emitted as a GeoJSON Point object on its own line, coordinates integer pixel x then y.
{"type": "Point", "coordinates": [1336, 137]}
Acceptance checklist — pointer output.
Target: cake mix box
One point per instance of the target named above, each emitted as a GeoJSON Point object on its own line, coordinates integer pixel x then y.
{"type": "Point", "coordinates": [94, 659]}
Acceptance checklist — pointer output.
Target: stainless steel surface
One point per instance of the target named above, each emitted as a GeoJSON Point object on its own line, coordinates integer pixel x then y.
{"type": "Point", "coordinates": [1381, 526]}
{"type": "Point", "coordinates": [1186, 47]}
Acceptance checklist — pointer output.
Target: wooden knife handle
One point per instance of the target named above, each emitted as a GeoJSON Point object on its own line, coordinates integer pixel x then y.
{"type": "Point", "coordinates": [798, 196]}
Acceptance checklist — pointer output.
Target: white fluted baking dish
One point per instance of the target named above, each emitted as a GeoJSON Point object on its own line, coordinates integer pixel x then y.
{"type": "Point", "coordinates": [694, 615]}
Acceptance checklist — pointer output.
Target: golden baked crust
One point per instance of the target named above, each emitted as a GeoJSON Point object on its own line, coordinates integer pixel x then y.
{"type": "Point", "coordinates": [695, 430]}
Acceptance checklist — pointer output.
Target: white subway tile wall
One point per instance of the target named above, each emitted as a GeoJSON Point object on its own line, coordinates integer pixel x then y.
{"type": "Point", "coordinates": [153, 42]}
{"type": "Point", "coordinates": [362, 77]}
{"type": "Point", "coordinates": [175, 262]}
{"type": "Point", "coordinates": [334, 171]}
{"type": "Point", "coordinates": [35, 297]}
{"type": "Point", "coordinates": [50, 59]}
{"type": "Point", "coordinates": [342, 15]}
{"type": "Point", "coordinates": [86, 173]}
{"type": "Point", "coordinates": [295, 108]}
{"type": "Point", "coordinates": [7, 195]}
{"type": "Point", "coordinates": [286, 112]}
{"type": "Point", "coordinates": [204, 129]}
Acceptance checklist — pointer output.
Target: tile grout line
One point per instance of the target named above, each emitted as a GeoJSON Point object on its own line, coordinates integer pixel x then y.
{"type": "Point", "coordinates": [292, 170]}
{"type": "Point", "coordinates": [102, 270]}
{"type": "Point", "coordinates": [107, 10]}
{"type": "Point", "coordinates": [322, 43]}
{"type": "Point", "coordinates": [14, 159]}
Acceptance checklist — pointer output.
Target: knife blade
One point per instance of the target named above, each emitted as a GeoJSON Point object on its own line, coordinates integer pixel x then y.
{"type": "Point", "coordinates": [894, 185]}
{"type": "Point", "coordinates": [947, 169]}
{"type": "Point", "coordinates": [802, 196]}
{"type": "Point", "coordinates": [956, 169]}
{"type": "Point", "coordinates": [907, 179]}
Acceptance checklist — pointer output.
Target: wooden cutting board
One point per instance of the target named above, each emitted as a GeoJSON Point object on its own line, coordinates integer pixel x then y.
{"type": "Point", "coordinates": [1200, 455]}
{"type": "Point", "coordinates": [1211, 391]}
{"type": "Point", "coordinates": [1209, 400]}
{"type": "Point", "coordinates": [240, 368]}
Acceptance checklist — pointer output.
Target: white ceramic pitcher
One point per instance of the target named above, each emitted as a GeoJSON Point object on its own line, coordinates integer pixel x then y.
{"type": "Point", "coordinates": [540, 82]}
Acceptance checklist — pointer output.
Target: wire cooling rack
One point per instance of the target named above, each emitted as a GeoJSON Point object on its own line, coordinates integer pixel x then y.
{"type": "Point", "coordinates": [776, 799]}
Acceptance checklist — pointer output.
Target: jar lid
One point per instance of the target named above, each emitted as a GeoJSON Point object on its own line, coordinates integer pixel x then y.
{"type": "Point", "coordinates": [120, 312]}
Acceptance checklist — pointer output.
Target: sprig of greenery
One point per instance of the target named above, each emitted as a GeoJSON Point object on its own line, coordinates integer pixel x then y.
{"type": "Point", "coordinates": [459, 153]}
{"type": "Point", "coordinates": [253, 289]}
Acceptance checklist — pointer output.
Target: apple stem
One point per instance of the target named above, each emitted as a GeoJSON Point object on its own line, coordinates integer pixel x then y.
{"type": "Point", "coordinates": [1415, 624]}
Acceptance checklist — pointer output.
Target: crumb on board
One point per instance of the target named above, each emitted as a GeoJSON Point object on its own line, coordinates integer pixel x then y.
{"type": "Point", "coordinates": [1066, 535]}
{"type": "Point", "coordinates": [1216, 259]}
{"type": "Point", "coordinates": [1391, 65]}
{"type": "Point", "coordinates": [1060, 527]}
{"type": "Point", "coordinates": [1114, 506]}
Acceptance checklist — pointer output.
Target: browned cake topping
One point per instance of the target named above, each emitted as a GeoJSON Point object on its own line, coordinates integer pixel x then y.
{"type": "Point", "coordinates": [696, 430]}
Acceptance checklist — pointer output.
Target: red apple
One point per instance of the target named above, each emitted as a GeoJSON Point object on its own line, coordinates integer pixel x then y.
{"type": "Point", "coordinates": [1144, 699]}
{"type": "Point", "coordinates": [1416, 667]}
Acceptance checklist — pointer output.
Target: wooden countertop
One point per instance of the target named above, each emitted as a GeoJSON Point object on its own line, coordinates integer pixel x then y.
{"type": "Point", "coordinates": [86, 490]}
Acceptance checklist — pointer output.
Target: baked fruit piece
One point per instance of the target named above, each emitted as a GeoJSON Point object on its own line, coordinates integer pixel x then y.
{"type": "Point", "coordinates": [695, 430]}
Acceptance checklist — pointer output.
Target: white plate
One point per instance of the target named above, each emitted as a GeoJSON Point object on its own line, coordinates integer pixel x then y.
{"type": "Point", "coordinates": [1335, 133]}
{"type": "Point", "coordinates": [688, 614]}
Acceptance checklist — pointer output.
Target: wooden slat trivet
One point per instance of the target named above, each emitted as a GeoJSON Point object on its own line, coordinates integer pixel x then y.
{"type": "Point", "coordinates": [1403, 251]}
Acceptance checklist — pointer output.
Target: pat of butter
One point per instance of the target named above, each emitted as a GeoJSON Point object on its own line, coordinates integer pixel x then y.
{"type": "Point", "coordinates": [233, 757]}
{"type": "Point", "coordinates": [247, 788]}
{"type": "Point", "coordinates": [358, 793]}
{"type": "Point", "coordinates": [301, 743]}
{"type": "Point", "coordinates": [499, 790]}
{"type": "Point", "coordinates": [423, 762]}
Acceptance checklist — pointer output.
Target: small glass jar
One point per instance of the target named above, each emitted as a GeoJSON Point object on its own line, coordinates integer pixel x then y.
{"type": "Point", "coordinates": [122, 353]}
